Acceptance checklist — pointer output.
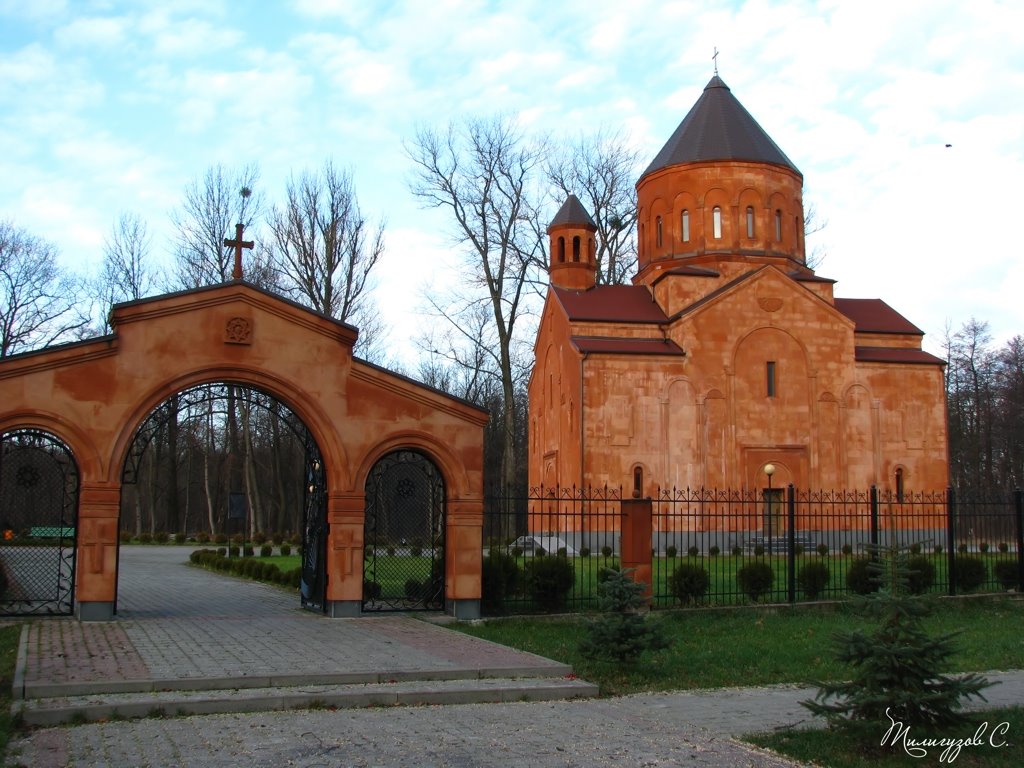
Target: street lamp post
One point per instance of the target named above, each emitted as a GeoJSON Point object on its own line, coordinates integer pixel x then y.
{"type": "Point", "coordinates": [769, 469]}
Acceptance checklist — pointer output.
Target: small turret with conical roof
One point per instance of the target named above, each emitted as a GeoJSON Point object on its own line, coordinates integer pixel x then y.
{"type": "Point", "coordinates": [573, 259]}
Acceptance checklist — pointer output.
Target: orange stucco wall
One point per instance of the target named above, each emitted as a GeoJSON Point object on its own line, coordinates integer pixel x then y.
{"type": "Point", "coordinates": [94, 396]}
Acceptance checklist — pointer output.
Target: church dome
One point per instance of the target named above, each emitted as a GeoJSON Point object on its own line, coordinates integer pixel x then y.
{"type": "Point", "coordinates": [717, 128]}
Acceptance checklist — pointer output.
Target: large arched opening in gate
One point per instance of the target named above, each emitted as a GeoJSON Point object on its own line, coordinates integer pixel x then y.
{"type": "Point", "coordinates": [39, 483]}
{"type": "Point", "coordinates": [229, 465]}
{"type": "Point", "coordinates": [404, 534]}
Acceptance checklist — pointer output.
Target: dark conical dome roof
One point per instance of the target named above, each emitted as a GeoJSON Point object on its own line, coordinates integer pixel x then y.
{"type": "Point", "coordinates": [572, 212]}
{"type": "Point", "coordinates": [718, 127]}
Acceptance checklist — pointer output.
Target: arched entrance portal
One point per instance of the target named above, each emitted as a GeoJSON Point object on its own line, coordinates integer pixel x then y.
{"type": "Point", "coordinates": [404, 567]}
{"type": "Point", "coordinates": [232, 465]}
{"type": "Point", "coordinates": [38, 522]}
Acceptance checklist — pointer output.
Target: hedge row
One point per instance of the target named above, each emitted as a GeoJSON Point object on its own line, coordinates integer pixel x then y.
{"type": "Point", "coordinates": [217, 560]}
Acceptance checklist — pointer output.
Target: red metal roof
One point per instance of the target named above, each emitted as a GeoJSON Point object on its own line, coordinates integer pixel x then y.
{"type": "Point", "coordinates": [612, 303]}
{"type": "Point", "coordinates": [895, 355]}
{"type": "Point", "coordinates": [875, 316]}
{"type": "Point", "coordinates": [590, 345]}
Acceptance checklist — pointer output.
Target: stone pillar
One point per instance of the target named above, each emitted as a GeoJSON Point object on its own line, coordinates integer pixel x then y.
{"type": "Point", "coordinates": [345, 518]}
{"type": "Point", "coordinates": [464, 558]}
{"type": "Point", "coordinates": [99, 507]}
{"type": "Point", "coordinates": [635, 539]}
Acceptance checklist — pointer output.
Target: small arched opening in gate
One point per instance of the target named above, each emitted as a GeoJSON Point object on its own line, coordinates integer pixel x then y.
{"type": "Point", "coordinates": [230, 466]}
{"type": "Point", "coordinates": [39, 483]}
{"type": "Point", "coordinates": [404, 534]}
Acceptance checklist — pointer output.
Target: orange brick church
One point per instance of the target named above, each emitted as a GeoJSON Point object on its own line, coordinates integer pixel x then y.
{"type": "Point", "coordinates": [728, 352]}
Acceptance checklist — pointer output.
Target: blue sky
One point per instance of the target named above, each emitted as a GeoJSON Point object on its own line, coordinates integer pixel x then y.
{"type": "Point", "coordinates": [115, 105]}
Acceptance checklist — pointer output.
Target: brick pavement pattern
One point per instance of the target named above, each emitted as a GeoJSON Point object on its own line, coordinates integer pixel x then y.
{"type": "Point", "coordinates": [188, 623]}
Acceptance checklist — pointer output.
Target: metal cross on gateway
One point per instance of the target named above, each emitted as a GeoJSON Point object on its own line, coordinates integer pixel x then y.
{"type": "Point", "coordinates": [238, 244]}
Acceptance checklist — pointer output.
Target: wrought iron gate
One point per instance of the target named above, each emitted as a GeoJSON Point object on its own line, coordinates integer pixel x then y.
{"type": "Point", "coordinates": [403, 567]}
{"type": "Point", "coordinates": [38, 524]}
{"type": "Point", "coordinates": [314, 532]}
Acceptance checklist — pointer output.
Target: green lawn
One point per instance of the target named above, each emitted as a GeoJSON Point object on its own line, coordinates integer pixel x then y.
{"type": "Point", "coordinates": [725, 647]}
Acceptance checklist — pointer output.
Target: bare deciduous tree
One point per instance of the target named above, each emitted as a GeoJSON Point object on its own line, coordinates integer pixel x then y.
{"type": "Point", "coordinates": [39, 302]}
{"type": "Point", "coordinates": [600, 170]}
{"type": "Point", "coordinates": [485, 174]}
{"type": "Point", "coordinates": [326, 251]}
{"type": "Point", "coordinates": [126, 274]}
{"type": "Point", "coordinates": [212, 207]}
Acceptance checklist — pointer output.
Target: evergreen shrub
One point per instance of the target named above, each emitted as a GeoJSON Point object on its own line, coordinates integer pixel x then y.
{"type": "Point", "coordinates": [500, 576]}
{"type": "Point", "coordinates": [286, 549]}
{"type": "Point", "coordinates": [606, 551]}
{"type": "Point", "coordinates": [671, 551]}
{"type": "Point", "coordinates": [823, 549]}
{"type": "Point", "coordinates": [920, 574]}
{"type": "Point", "coordinates": [161, 537]}
{"type": "Point", "coordinates": [145, 538]}
{"type": "Point", "coordinates": [970, 573]}
{"type": "Point", "coordinates": [371, 590]}
{"type": "Point", "coordinates": [689, 582]}
{"type": "Point", "coordinates": [248, 551]}
{"type": "Point", "coordinates": [549, 580]}
{"type": "Point", "coordinates": [859, 577]}
{"type": "Point", "coordinates": [813, 578]}
{"type": "Point", "coordinates": [693, 551]}
{"type": "Point", "coordinates": [266, 550]}
{"type": "Point", "coordinates": [755, 580]}
{"type": "Point", "coordinates": [715, 550]}
{"type": "Point", "coordinates": [737, 551]}
{"type": "Point", "coordinates": [584, 551]}
{"type": "Point", "coordinates": [621, 633]}
{"type": "Point", "coordinates": [180, 538]}
{"type": "Point", "coordinates": [1007, 574]}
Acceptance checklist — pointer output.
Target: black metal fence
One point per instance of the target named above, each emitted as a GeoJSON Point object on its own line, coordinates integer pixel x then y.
{"type": "Point", "coordinates": [743, 546]}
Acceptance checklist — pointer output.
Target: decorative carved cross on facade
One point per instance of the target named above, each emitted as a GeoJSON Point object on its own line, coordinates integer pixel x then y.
{"type": "Point", "coordinates": [238, 244]}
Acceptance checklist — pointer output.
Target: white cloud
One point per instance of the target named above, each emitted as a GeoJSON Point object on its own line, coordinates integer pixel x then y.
{"type": "Point", "coordinates": [93, 32]}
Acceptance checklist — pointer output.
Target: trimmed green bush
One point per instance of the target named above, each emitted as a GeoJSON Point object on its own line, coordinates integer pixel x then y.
{"type": "Point", "coordinates": [126, 537]}
{"type": "Point", "coordinates": [563, 552]}
{"type": "Point", "coordinates": [813, 578]}
{"type": "Point", "coordinates": [970, 573]}
{"type": "Point", "coordinates": [715, 550]}
{"type": "Point", "coordinates": [798, 550]}
{"type": "Point", "coordinates": [759, 550]}
{"type": "Point", "coordinates": [501, 578]}
{"type": "Point", "coordinates": [1007, 574]}
{"type": "Point", "coordinates": [161, 537]}
{"type": "Point", "coordinates": [823, 549]}
{"type": "Point", "coordinates": [248, 551]}
{"type": "Point", "coordinates": [1004, 547]}
{"type": "Point", "coordinates": [233, 551]}
{"type": "Point", "coordinates": [859, 577]}
{"type": "Point", "coordinates": [693, 551]}
{"type": "Point", "coordinates": [755, 580]}
{"type": "Point", "coordinates": [371, 589]}
{"type": "Point", "coordinates": [180, 538]}
{"type": "Point", "coordinates": [266, 550]}
{"type": "Point", "coordinates": [549, 580]}
{"type": "Point", "coordinates": [847, 550]}
{"type": "Point", "coordinates": [286, 549]}
{"type": "Point", "coordinates": [737, 551]}
{"type": "Point", "coordinates": [416, 550]}
{"type": "Point", "coordinates": [920, 574]}
{"type": "Point", "coordinates": [220, 538]}
{"type": "Point", "coordinates": [606, 551]}
{"type": "Point", "coordinates": [689, 583]}
{"type": "Point", "coordinates": [145, 538]}
{"type": "Point", "coordinates": [671, 551]}
{"type": "Point", "coordinates": [584, 551]}
{"type": "Point", "coordinates": [983, 547]}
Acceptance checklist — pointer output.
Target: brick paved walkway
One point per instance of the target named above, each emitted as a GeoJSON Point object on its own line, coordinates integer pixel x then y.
{"type": "Point", "coordinates": [175, 621]}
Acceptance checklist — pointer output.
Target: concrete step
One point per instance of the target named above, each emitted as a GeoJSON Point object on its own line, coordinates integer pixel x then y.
{"type": "Point", "coordinates": [97, 706]}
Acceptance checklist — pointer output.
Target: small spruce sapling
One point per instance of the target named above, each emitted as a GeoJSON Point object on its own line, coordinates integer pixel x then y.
{"type": "Point", "coordinates": [897, 667]}
{"type": "Point", "coordinates": [621, 633]}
